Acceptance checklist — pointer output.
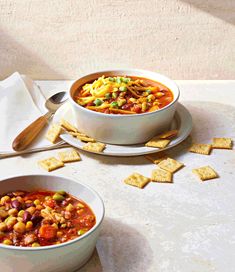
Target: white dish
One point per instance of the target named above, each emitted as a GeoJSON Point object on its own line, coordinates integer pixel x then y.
{"type": "Point", "coordinates": [64, 257]}
{"type": "Point", "coordinates": [182, 121]}
{"type": "Point", "coordinates": [124, 129]}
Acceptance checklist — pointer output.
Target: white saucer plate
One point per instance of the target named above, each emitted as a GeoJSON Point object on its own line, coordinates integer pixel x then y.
{"type": "Point", "coordinates": [182, 121]}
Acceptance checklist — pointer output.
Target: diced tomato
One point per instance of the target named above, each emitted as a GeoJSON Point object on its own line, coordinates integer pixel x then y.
{"type": "Point", "coordinates": [47, 232]}
{"type": "Point", "coordinates": [50, 202]}
{"type": "Point", "coordinates": [136, 108]}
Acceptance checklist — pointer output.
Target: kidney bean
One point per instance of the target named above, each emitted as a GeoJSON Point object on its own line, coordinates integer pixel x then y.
{"type": "Point", "coordinates": [16, 204]}
{"type": "Point", "coordinates": [10, 194]}
{"type": "Point", "coordinates": [26, 216]}
{"type": "Point", "coordinates": [27, 205]}
{"type": "Point", "coordinates": [127, 106]}
{"type": "Point", "coordinates": [137, 108]}
{"type": "Point", "coordinates": [36, 218]}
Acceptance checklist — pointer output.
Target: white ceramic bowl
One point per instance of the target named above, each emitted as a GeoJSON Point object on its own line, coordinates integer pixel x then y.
{"type": "Point", "coordinates": [64, 257]}
{"type": "Point", "coordinates": [124, 129]}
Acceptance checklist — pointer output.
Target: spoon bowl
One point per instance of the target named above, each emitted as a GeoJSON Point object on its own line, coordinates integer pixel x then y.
{"type": "Point", "coordinates": [26, 137]}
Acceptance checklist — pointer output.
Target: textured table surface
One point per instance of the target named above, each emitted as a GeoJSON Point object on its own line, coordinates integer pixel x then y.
{"type": "Point", "coordinates": [181, 227]}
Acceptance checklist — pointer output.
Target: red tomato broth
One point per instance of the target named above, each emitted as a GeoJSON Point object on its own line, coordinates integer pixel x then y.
{"type": "Point", "coordinates": [46, 230]}
{"type": "Point", "coordinates": [161, 97]}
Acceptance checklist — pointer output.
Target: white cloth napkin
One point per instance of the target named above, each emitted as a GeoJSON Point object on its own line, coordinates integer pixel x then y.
{"type": "Point", "coordinates": [21, 102]}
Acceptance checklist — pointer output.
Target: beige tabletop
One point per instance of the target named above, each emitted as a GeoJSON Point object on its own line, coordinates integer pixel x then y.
{"type": "Point", "coordinates": [181, 227]}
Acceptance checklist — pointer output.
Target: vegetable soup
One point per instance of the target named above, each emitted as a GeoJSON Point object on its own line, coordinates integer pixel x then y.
{"type": "Point", "coordinates": [123, 95]}
{"type": "Point", "coordinates": [42, 218]}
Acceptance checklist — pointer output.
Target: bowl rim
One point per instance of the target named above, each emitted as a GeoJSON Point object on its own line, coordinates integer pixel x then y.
{"type": "Point", "coordinates": [176, 98]}
{"type": "Point", "coordinates": [51, 247]}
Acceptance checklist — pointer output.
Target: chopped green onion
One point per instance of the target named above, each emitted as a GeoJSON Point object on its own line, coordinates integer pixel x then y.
{"type": "Point", "coordinates": [98, 102]}
{"type": "Point", "coordinates": [111, 79]}
{"type": "Point", "coordinates": [123, 89]}
{"type": "Point", "coordinates": [148, 91]}
{"type": "Point", "coordinates": [107, 95]}
{"type": "Point", "coordinates": [114, 95]}
{"type": "Point", "coordinates": [114, 104]}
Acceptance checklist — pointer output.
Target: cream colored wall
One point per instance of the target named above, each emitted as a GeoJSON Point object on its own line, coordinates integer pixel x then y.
{"type": "Point", "coordinates": [63, 39]}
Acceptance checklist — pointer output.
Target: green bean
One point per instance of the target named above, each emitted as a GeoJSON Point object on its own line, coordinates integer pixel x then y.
{"type": "Point", "coordinates": [61, 192]}
{"type": "Point", "coordinates": [107, 95]}
{"type": "Point", "coordinates": [114, 95]}
{"type": "Point", "coordinates": [58, 197]}
{"type": "Point", "coordinates": [114, 104]}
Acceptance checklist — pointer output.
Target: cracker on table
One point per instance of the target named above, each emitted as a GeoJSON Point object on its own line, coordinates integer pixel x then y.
{"type": "Point", "coordinates": [51, 164]}
{"type": "Point", "coordinates": [137, 180]}
{"type": "Point", "coordinates": [222, 143]}
{"type": "Point", "coordinates": [170, 165]}
{"type": "Point", "coordinates": [160, 175]}
{"type": "Point", "coordinates": [156, 157]}
{"type": "Point", "coordinates": [156, 142]}
{"type": "Point", "coordinates": [168, 134]}
{"type": "Point", "coordinates": [86, 139]}
{"type": "Point", "coordinates": [53, 133]}
{"type": "Point", "coordinates": [203, 149]}
{"type": "Point", "coordinates": [65, 124]}
{"type": "Point", "coordinates": [205, 173]}
{"type": "Point", "coordinates": [94, 147]}
{"type": "Point", "coordinates": [75, 134]}
{"type": "Point", "coordinates": [69, 156]}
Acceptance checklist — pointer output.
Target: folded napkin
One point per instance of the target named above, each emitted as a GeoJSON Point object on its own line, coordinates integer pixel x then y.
{"type": "Point", "coordinates": [21, 102]}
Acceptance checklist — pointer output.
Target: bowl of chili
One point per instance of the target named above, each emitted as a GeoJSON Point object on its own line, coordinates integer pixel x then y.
{"type": "Point", "coordinates": [47, 223]}
{"type": "Point", "coordinates": [123, 106]}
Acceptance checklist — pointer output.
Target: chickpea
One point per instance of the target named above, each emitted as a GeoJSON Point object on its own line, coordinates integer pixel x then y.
{"type": "Point", "coordinates": [59, 233]}
{"type": "Point", "coordinates": [159, 94]}
{"type": "Point", "coordinates": [55, 225]}
{"type": "Point", "coordinates": [79, 212]}
{"type": "Point", "coordinates": [3, 213]}
{"type": "Point", "coordinates": [31, 210]}
{"type": "Point", "coordinates": [80, 205]}
{"type": "Point", "coordinates": [132, 99]}
{"type": "Point", "coordinates": [144, 106]}
{"type": "Point", "coordinates": [7, 242]}
{"type": "Point", "coordinates": [39, 207]}
{"type": "Point", "coordinates": [67, 215]}
{"type": "Point", "coordinates": [20, 199]}
{"type": "Point", "coordinates": [13, 211]}
{"type": "Point", "coordinates": [150, 97]}
{"type": "Point", "coordinates": [37, 202]}
{"type": "Point", "coordinates": [69, 208]}
{"type": "Point", "coordinates": [35, 245]}
{"type": "Point", "coordinates": [5, 199]}
{"type": "Point", "coordinates": [21, 213]}
{"type": "Point", "coordinates": [29, 225]}
{"type": "Point", "coordinates": [10, 221]}
{"type": "Point", "coordinates": [19, 227]}
{"type": "Point", "coordinates": [3, 226]}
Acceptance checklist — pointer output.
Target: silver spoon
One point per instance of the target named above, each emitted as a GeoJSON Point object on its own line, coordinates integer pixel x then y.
{"type": "Point", "coordinates": [25, 138]}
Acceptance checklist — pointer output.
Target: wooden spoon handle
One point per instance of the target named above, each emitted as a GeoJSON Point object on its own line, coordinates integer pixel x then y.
{"type": "Point", "coordinates": [23, 140]}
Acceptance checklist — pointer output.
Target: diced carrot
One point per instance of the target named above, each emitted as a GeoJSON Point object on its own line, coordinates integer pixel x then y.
{"type": "Point", "coordinates": [47, 232]}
